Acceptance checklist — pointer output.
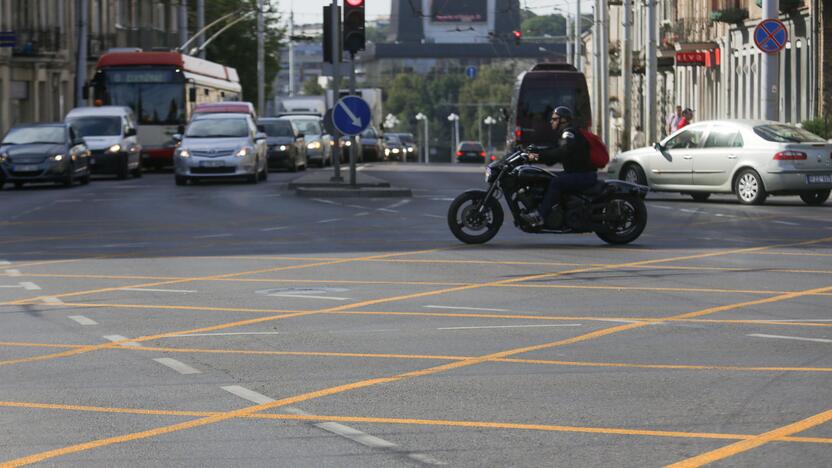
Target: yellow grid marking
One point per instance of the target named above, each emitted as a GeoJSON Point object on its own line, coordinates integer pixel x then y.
{"type": "Point", "coordinates": [754, 442]}
{"type": "Point", "coordinates": [419, 422]}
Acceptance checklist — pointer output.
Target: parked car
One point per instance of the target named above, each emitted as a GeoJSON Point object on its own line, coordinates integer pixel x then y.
{"type": "Point", "coordinates": [750, 158]}
{"type": "Point", "coordinates": [110, 134]}
{"type": "Point", "coordinates": [51, 152]}
{"type": "Point", "coordinates": [394, 149]}
{"type": "Point", "coordinates": [318, 144]}
{"type": "Point", "coordinates": [225, 107]}
{"type": "Point", "coordinates": [372, 144]}
{"type": "Point", "coordinates": [221, 145]}
{"type": "Point", "coordinates": [286, 146]}
{"type": "Point", "coordinates": [409, 145]}
{"type": "Point", "coordinates": [470, 151]}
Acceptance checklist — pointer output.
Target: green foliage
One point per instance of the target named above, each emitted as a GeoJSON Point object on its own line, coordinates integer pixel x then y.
{"type": "Point", "coordinates": [491, 89]}
{"type": "Point", "coordinates": [312, 88]}
{"type": "Point", "coordinates": [237, 46]}
{"type": "Point", "coordinates": [376, 35]}
{"type": "Point", "coordinates": [820, 127]}
{"type": "Point", "coordinates": [552, 25]}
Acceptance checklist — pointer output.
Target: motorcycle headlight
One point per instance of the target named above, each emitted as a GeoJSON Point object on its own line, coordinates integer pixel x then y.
{"type": "Point", "coordinates": [243, 152]}
{"type": "Point", "coordinates": [114, 149]}
{"type": "Point", "coordinates": [56, 158]}
{"type": "Point", "coordinates": [314, 145]}
{"type": "Point", "coordinates": [282, 147]}
{"type": "Point", "coordinates": [184, 153]}
{"type": "Point", "coordinates": [487, 174]}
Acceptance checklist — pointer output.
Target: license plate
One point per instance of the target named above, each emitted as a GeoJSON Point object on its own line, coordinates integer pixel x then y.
{"type": "Point", "coordinates": [819, 179]}
{"type": "Point", "coordinates": [211, 164]}
{"type": "Point", "coordinates": [26, 168]}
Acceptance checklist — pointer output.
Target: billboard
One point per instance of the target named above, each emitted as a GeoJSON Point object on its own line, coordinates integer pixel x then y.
{"type": "Point", "coordinates": [459, 11]}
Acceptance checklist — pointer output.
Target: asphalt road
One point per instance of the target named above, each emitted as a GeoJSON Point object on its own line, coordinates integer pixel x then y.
{"type": "Point", "coordinates": [226, 324]}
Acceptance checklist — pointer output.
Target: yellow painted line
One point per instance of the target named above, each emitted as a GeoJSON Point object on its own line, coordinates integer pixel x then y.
{"type": "Point", "coordinates": [418, 422]}
{"type": "Point", "coordinates": [171, 307]}
{"type": "Point", "coordinates": [667, 366]}
{"type": "Point", "coordinates": [297, 353]}
{"type": "Point", "coordinates": [768, 300]}
{"type": "Point", "coordinates": [762, 439]}
{"type": "Point", "coordinates": [797, 254]}
{"type": "Point", "coordinates": [39, 345]}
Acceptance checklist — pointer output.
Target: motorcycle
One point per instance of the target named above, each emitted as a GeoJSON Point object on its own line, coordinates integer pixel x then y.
{"type": "Point", "coordinates": [614, 210]}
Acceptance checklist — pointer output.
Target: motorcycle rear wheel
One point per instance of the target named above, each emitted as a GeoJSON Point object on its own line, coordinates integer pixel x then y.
{"type": "Point", "coordinates": [626, 218]}
{"type": "Point", "coordinates": [469, 226]}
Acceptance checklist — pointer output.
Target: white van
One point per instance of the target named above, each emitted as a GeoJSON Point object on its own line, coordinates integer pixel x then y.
{"type": "Point", "coordinates": [110, 134]}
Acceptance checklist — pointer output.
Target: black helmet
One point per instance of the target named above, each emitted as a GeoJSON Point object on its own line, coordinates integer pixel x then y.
{"type": "Point", "coordinates": [563, 112]}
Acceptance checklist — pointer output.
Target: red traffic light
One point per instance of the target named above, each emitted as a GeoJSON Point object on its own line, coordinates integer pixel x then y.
{"type": "Point", "coordinates": [517, 34]}
{"type": "Point", "coordinates": [355, 3]}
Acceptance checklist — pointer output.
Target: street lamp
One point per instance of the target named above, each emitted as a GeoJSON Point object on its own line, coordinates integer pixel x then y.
{"type": "Point", "coordinates": [489, 121]}
{"type": "Point", "coordinates": [426, 141]}
{"type": "Point", "coordinates": [454, 119]}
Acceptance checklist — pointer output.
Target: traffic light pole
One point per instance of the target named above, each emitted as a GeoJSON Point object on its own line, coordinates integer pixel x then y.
{"type": "Point", "coordinates": [336, 63]}
{"type": "Point", "coordinates": [354, 138]}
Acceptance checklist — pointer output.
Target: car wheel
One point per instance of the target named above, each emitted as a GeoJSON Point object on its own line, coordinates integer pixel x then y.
{"type": "Point", "coordinates": [137, 172]}
{"type": "Point", "coordinates": [85, 179]}
{"type": "Point", "coordinates": [749, 188]}
{"type": "Point", "coordinates": [18, 185]}
{"type": "Point", "coordinates": [700, 196]}
{"type": "Point", "coordinates": [815, 197]}
{"type": "Point", "coordinates": [123, 169]}
{"type": "Point", "coordinates": [634, 174]}
{"type": "Point", "coordinates": [181, 180]}
{"type": "Point", "coordinates": [69, 178]}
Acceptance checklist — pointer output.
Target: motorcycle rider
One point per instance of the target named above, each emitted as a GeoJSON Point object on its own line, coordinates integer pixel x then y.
{"type": "Point", "coordinates": [572, 151]}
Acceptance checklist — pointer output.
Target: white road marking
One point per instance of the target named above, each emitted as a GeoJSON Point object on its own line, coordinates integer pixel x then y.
{"type": "Point", "coordinates": [464, 308]}
{"type": "Point", "coordinates": [363, 213]}
{"type": "Point", "coordinates": [5, 262]}
{"type": "Point", "coordinates": [511, 326]}
{"type": "Point", "coordinates": [328, 202]}
{"type": "Point", "coordinates": [786, 223]}
{"type": "Point", "coordinates": [13, 272]}
{"type": "Point", "coordinates": [433, 215]}
{"type": "Point", "coordinates": [662, 207]}
{"type": "Point", "coordinates": [160, 290]}
{"type": "Point", "coordinates": [799, 338]}
{"type": "Point", "coordinates": [306, 296]}
{"type": "Point", "coordinates": [399, 203]}
{"type": "Point", "coordinates": [386, 210]}
{"type": "Point", "coordinates": [135, 244]}
{"type": "Point", "coordinates": [276, 228]}
{"type": "Point", "coordinates": [29, 286]}
{"type": "Point", "coordinates": [51, 300]}
{"type": "Point", "coordinates": [247, 394]}
{"type": "Point", "coordinates": [442, 199]}
{"type": "Point", "coordinates": [358, 207]}
{"type": "Point", "coordinates": [332, 220]}
{"type": "Point", "coordinates": [115, 338]}
{"type": "Point", "coordinates": [82, 320]}
{"type": "Point", "coordinates": [227, 334]}
{"type": "Point", "coordinates": [178, 366]}
{"type": "Point", "coordinates": [213, 236]}
{"type": "Point", "coordinates": [685, 210]}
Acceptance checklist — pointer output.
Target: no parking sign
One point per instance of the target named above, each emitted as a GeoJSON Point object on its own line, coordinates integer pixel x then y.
{"type": "Point", "coordinates": [770, 36]}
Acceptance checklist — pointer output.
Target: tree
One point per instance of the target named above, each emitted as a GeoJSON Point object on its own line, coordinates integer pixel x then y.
{"type": "Point", "coordinates": [491, 89]}
{"type": "Point", "coordinates": [311, 87]}
{"type": "Point", "coordinates": [551, 25]}
{"type": "Point", "coordinates": [237, 46]}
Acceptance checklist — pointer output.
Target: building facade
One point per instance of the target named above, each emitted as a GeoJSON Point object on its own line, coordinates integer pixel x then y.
{"type": "Point", "coordinates": [37, 70]}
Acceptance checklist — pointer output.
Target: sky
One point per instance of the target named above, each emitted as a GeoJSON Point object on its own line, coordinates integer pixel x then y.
{"type": "Point", "coordinates": [309, 11]}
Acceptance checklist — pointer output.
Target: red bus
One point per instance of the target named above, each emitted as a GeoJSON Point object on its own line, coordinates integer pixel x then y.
{"type": "Point", "coordinates": [162, 88]}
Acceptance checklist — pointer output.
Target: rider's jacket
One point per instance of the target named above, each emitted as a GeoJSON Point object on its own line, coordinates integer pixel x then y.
{"type": "Point", "coordinates": [571, 150]}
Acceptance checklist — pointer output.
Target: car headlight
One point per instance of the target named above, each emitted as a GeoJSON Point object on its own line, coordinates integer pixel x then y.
{"type": "Point", "coordinates": [395, 150]}
{"type": "Point", "coordinates": [184, 153]}
{"type": "Point", "coordinates": [410, 150]}
{"type": "Point", "coordinates": [314, 145]}
{"type": "Point", "coordinates": [487, 174]}
{"type": "Point", "coordinates": [282, 147]}
{"type": "Point", "coordinates": [3, 157]}
{"type": "Point", "coordinates": [243, 152]}
{"type": "Point", "coordinates": [57, 157]}
{"type": "Point", "coordinates": [386, 151]}
{"type": "Point", "coordinates": [114, 149]}
{"type": "Point", "coordinates": [347, 143]}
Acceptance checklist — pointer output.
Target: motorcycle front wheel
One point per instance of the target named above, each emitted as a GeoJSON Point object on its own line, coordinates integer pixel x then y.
{"type": "Point", "coordinates": [471, 226]}
{"type": "Point", "coordinates": [625, 217]}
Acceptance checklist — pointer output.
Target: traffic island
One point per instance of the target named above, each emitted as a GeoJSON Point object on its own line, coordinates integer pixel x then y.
{"type": "Point", "coordinates": [319, 185]}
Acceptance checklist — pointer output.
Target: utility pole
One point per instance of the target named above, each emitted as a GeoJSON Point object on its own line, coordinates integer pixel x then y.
{"type": "Point", "coordinates": [183, 21]}
{"type": "Point", "coordinates": [291, 52]}
{"type": "Point", "coordinates": [627, 73]}
{"type": "Point", "coordinates": [200, 24]}
{"type": "Point", "coordinates": [771, 71]}
{"type": "Point", "coordinates": [578, 29]}
{"type": "Point", "coordinates": [596, 67]}
{"type": "Point", "coordinates": [83, 8]}
{"type": "Point", "coordinates": [261, 62]}
{"type": "Point", "coordinates": [354, 138]}
{"type": "Point", "coordinates": [570, 58]}
{"type": "Point", "coordinates": [650, 71]}
{"type": "Point", "coordinates": [335, 34]}
{"type": "Point", "coordinates": [605, 72]}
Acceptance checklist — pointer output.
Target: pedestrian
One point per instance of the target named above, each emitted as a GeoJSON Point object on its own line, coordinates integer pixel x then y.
{"type": "Point", "coordinates": [687, 117]}
{"type": "Point", "coordinates": [639, 140]}
{"type": "Point", "coordinates": [672, 123]}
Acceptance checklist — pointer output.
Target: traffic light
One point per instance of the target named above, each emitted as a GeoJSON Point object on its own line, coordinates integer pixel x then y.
{"type": "Point", "coordinates": [327, 36]}
{"type": "Point", "coordinates": [354, 38]}
{"type": "Point", "coordinates": [518, 36]}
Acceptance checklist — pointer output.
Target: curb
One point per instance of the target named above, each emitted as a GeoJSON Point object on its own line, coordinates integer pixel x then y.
{"type": "Point", "coordinates": [358, 192]}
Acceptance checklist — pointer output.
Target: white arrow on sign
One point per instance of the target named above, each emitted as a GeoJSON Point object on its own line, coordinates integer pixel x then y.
{"type": "Point", "coordinates": [356, 121]}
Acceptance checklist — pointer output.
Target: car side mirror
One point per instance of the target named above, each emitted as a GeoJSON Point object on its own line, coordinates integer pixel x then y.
{"type": "Point", "coordinates": [260, 136]}
{"type": "Point", "coordinates": [658, 146]}
{"type": "Point", "coordinates": [301, 135]}
{"type": "Point", "coordinates": [177, 137]}
{"type": "Point", "coordinates": [130, 132]}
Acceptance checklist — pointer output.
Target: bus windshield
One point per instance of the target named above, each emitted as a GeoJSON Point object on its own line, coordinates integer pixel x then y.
{"type": "Point", "coordinates": [156, 95]}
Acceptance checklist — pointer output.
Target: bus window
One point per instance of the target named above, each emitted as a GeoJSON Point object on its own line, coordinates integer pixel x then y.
{"type": "Point", "coordinates": [155, 96]}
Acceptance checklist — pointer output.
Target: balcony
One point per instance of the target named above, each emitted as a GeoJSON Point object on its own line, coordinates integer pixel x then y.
{"type": "Point", "coordinates": [729, 15]}
{"type": "Point", "coordinates": [40, 43]}
{"type": "Point", "coordinates": [786, 6]}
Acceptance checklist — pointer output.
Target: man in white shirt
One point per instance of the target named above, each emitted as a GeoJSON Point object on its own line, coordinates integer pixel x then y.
{"type": "Point", "coordinates": [673, 120]}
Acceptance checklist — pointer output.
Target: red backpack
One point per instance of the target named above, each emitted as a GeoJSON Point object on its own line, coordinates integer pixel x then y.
{"type": "Point", "coordinates": [598, 154]}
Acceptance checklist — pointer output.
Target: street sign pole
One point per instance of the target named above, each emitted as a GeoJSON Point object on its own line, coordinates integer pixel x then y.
{"type": "Point", "coordinates": [771, 70]}
{"type": "Point", "coordinates": [335, 34]}
{"type": "Point", "coordinates": [354, 138]}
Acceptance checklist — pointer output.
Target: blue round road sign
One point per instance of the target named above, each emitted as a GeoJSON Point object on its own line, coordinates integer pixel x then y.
{"type": "Point", "coordinates": [351, 115]}
{"type": "Point", "coordinates": [471, 72]}
{"type": "Point", "coordinates": [771, 36]}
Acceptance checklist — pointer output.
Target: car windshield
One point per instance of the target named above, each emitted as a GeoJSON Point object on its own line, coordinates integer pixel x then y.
{"type": "Point", "coordinates": [29, 135]}
{"type": "Point", "coordinates": [308, 126]}
{"type": "Point", "coordinates": [97, 126]}
{"type": "Point", "coordinates": [471, 147]}
{"type": "Point", "coordinates": [406, 138]}
{"type": "Point", "coordinates": [782, 133]}
{"type": "Point", "coordinates": [278, 128]}
{"type": "Point", "coordinates": [392, 139]}
{"type": "Point", "coordinates": [217, 128]}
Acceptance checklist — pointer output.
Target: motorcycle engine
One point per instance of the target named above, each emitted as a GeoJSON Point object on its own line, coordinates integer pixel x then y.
{"type": "Point", "coordinates": [578, 214]}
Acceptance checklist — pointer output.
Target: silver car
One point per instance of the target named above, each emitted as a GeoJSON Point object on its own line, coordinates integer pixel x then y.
{"type": "Point", "coordinates": [750, 158]}
{"type": "Point", "coordinates": [221, 145]}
